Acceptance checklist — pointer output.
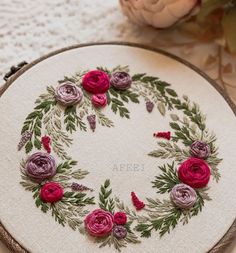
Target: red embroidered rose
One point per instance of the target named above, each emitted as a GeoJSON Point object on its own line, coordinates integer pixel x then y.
{"type": "Point", "coordinates": [194, 172]}
{"type": "Point", "coordinates": [51, 192]}
{"type": "Point", "coordinates": [120, 218]}
{"type": "Point", "coordinates": [99, 100]}
{"type": "Point", "coordinates": [99, 223]}
{"type": "Point", "coordinates": [96, 81]}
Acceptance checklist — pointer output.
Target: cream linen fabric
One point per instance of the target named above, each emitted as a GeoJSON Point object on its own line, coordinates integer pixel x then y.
{"type": "Point", "coordinates": [128, 142]}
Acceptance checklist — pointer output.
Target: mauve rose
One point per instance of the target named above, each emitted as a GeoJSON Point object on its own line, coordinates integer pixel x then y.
{"type": "Point", "coordinates": [40, 166]}
{"type": "Point", "coordinates": [200, 149]}
{"type": "Point", "coordinates": [119, 232]}
{"type": "Point", "coordinates": [99, 223]}
{"type": "Point", "coordinates": [68, 94]}
{"type": "Point", "coordinates": [96, 82]}
{"type": "Point", "coordinates": [99, 100]}
{"type": "Point", "coordinates": [183, 196]}
{"type": "Point", "coordinates": [121, 80]}
{"type": "Point", "coordinates": [194, 172]}
{"type": "Point", "coordinates": [51, 192]}
{"type": "Point", "coordinates": [120, 218]}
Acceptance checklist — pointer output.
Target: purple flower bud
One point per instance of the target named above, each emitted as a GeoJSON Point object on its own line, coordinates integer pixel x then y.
{"type": "Point", "coordinates": [119, 232]}
{"type": "Point", "coordinates": [200, 149]}
{"type": "Point", "coordinates": [24, 138]}
{"type": "Point", "coordinates": [92, 121]}
{"type": "Point", "coordinates": [149, 106]}
{"type": "Point", "coordinates": [121, 80]}
{"type": "Point", "coordinates": [40, 166]}
{"type": "Point", "coordinates": [80, 187]}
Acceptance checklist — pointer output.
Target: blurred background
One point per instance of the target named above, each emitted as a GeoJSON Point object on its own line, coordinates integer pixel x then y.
{"type": "Point", "coordinates": [201, 31]}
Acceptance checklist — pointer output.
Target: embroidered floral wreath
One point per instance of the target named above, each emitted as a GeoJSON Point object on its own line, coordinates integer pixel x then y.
{"type": "Point", "coordinates": [66, 107]}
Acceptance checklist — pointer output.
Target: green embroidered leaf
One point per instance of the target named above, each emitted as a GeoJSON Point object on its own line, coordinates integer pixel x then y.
{"type": "Point", "coordinates": [175, 126]}
{"type": "Point", "coordinates": [171, 92]}
{"type": "Point", "coordinates": [161, 108]}
{"type": "Point", "coordinates": [72, 120]}
{"type": "Point", "coordinates": [116, 101]}
{"type": "Point", "coordinates": [28, 147]}
{"type": "Point", "coordinates": [102, 119]}
{"type": "Point", "coordinates": [105, 201]}
{"type": "Point", "coordinates": [147, 79]}
{"type": "Point", "coordinates": [170, 150]}
{"type": "Point", "coordinates": [174, 117]}
{"type": "Point", "coordinates": [167, 180]}
{"type": "Point", "coordinates": [37, 143]}
{"type": "Point", "coordinates": [137, 77]}
{"type": "Point", "coordinates": [163, 217]}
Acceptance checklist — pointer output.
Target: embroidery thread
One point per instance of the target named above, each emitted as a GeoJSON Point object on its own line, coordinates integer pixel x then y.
{"type": "Point", "coordinates": [63, 109]}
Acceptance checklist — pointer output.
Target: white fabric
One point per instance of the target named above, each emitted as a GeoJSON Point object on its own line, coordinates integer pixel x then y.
{"type": "Point", "coordinates": [128, 142]}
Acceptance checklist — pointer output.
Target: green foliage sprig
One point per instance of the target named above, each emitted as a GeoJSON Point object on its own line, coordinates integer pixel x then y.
{"type": "Point", "coordinates": [71, 209]}
{"type": "Point", "coordinates": [167, 180]}
{"type": "Point", "coordinates": [105, 201]}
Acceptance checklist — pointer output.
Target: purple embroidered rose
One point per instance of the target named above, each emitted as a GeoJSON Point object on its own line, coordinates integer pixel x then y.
{"type": "Point", "coordinates": [68, 94]}
{"type": "Point", "coordinates": [200, 149]}
{"type": "Point", "coordinates": [40, 166]}
{"type": "Point", "coordinates": [183, 196]}
{"type": "Point", "coordinates": [121, 80]}
{"type": "Point", "coordinates": [119, 232]}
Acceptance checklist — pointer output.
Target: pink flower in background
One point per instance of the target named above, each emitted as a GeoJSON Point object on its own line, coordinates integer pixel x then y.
{"type": "Point", "coordinates": [159, 13]}
{"type": "Point", "coordinates": [99, 223]}
{"type": "Point", "coordinates": [194, 172]}
{"type": "Point", "coordinates": [99, 100]}
{"type": "Point", "coordinates": [51, 192]}
{"type": "Point", "coordinates": [96, 82]}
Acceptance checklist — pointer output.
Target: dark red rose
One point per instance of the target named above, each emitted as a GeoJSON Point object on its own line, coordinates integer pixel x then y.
{"type": "Point", "coordinates": [194, 172]}
{"type": "Point", "coordinates": [96, 82]}
{"type": "Point", "coordinates": [120, 218]}
{"type": "Point", "coordinates": [51, 192]}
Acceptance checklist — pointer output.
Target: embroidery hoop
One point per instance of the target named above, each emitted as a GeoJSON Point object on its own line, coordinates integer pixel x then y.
{"type": "Point", "coordinates": [11, 243]}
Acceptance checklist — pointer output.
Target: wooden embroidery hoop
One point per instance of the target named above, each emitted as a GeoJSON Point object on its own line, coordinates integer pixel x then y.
{"type": "Point", "coordinates": [229, 236]}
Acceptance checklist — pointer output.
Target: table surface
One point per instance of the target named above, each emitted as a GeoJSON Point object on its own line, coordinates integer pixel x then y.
{"type": "Point", "coordinates": [30, 29]}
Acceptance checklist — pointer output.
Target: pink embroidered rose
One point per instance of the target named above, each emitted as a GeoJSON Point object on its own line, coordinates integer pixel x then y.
{"type": "Point", "coordinates": [200, 149]}
{"type": "Point", "coordinates": [99, 100]}
{"type": "Point", "coordinates": [51, 192]}
{"type": "Point", "coordinates": [96, 82]}
{"type": "Point", "coordinates": [121, 80]}
{"type": "Point", "coordinates": [194, 172]}
{"type": "Point", "coordinates": [99, 223]}
{"type": "Point", "coordinates": [40, 166]}
{"type": "Point", "coordinates": [120, 218]}
{"type": "Point", "coordinates": [68, 94]}
{"type": "Point", "coordinates": [183, 196]}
